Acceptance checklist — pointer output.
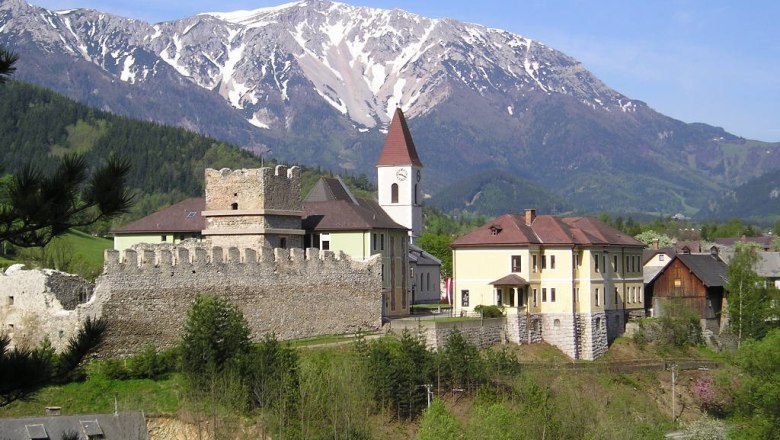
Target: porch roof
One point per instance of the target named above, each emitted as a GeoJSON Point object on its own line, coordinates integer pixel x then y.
{"type": "Point", "coordinates": [510, 280]}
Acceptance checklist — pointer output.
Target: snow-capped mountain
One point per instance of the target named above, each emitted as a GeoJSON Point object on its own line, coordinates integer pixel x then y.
{"type": "Point", "coordinates": [317, 81]}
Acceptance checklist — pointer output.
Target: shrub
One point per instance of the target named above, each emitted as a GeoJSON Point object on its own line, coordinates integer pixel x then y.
{"type": "Point", "coordinates": [711, 397]}
{"type": "Point", "coordinates": [216, 335]}
{"type": "Point", "coordinates": [438, 424]}
{"type": "Point", "coordinates": [115, 369]}
{"type": "Point", "coordinates": [489, 311]}
{"type": "Point", "coordinates": [151, 364]}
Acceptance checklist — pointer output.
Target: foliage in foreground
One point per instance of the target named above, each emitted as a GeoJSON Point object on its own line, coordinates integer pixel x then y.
{"type": "Point", "coordinates": [24, 370]}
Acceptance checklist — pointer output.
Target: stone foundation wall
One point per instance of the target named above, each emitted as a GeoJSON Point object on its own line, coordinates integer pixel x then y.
{"type": "Point", "coordinates": [559, 329]}
{"type": "Point", "coordinates": [524, 329]}
{"type": "Point", "coordinates": [592, 335]}
{"type": "Point", "coordinates": [616, 323]}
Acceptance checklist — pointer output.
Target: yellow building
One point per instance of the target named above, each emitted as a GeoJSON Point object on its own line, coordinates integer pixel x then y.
{"type": "Point", "coordinates": [572, 282]}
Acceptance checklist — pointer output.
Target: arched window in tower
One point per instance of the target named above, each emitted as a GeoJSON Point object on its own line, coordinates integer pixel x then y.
{"type": "Point", "coordinates": [394, 193]}
{"type": "Point", "coordinates": [415, 193]}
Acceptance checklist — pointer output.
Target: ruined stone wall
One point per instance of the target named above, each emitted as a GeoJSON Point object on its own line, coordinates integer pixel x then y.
{"type": "Point", "coordinates": [291, 294]}
{"type": "Point", "coordinates": [37, 304]}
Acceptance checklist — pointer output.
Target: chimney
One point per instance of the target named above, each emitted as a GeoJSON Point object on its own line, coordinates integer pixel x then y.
{"type": "Point", "coordinates": [530, 216]}
{"type": "Point", "coordinates": [656, 244]}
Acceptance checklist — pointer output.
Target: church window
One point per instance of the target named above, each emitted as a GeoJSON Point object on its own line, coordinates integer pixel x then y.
{"type": "Point", "coordinates": [428, 279]}
{"type": "Point", "coordinates": [382, 241]}
{"type": "Point", "coordinates": [394, 193]}
{"type": "Point", "coordinates": [421, 281]}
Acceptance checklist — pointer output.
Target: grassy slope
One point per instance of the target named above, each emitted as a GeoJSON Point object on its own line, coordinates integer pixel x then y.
{"type": "Point", "coordinates": [85, 246]}
{"type": "Point", "coordinates": [604, 404]}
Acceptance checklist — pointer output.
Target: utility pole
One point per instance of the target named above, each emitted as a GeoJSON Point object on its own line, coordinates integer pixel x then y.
{"type": "Point", "coordinates": [674, 382]}
{"type": "Point", "coordinates": [428, 392]}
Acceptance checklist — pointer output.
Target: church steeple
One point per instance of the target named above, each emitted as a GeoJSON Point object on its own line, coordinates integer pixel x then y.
{"type": "Point", "coordinates": [399, 172]}
{"type": "Point", "coordinates": [399, 146]}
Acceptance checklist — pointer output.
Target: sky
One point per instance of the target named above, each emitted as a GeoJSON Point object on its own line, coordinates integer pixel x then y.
{"type": "Point", "coordinates": [711, 61]}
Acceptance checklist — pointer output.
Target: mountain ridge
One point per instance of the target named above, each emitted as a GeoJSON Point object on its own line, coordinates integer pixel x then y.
{"type": "Point", "coordinates": [316, 82]}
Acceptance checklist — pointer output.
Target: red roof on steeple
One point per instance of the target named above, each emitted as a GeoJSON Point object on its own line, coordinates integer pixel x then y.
{"type": "Point", "coordinates": [399, 146]}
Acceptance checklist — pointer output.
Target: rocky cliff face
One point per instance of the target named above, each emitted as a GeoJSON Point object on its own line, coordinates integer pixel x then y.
{"type": "Point", "coordinates": [316, 82]}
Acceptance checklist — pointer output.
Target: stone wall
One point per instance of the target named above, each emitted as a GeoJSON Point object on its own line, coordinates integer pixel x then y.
{"type": "Point", "coordinates": [480, 332]}
{"type": "Point", "coordinates": [38, 304]}
{"type": "Point", "coordinates": [616, 323]}
{"type": "Point", "coordinates": [145, 295]}
{"type": "Point", "coordinates": [592, 335]}
{"type": "Point", "coordinates": [524, 329]}
{"type": "Point", "coordinates": [559, 329]}
{"type": "Point", "coordinates": [291, 294]}
{"type": "Point", "coordinates": [254, 208]}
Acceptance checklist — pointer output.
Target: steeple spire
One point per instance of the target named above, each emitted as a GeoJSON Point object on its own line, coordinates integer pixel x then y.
{"type": "Point", "coordinates": [399, 146]}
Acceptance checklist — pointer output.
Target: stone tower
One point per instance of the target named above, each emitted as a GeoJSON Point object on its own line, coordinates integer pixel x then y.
{"type": "Point", "coordinates": [399, 177]}
{"type": "Point", "coordinates": [254, 208]}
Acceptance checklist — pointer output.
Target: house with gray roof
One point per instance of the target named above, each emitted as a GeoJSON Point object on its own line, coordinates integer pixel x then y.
{"type": "Point", "coordinates": [118, 426]}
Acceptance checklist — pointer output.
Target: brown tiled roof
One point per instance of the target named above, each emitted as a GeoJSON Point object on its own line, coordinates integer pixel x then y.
{"type": "Point", "coordinates": [335, 215]}
{"type": "Point", "coordinates": [399, 146]}
{"type": "Point", "coordinates": [510, 280]}
{"type": "Point", "coordinates": [181, 217]}
{"type": "Point", "coordinates": [511, 230]}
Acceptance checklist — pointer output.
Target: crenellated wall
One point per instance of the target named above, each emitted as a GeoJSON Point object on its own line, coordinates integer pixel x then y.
{"type": "Point", "coordinates": [294, 294]}
{"type": "Point", "coordinates": [146, 292]}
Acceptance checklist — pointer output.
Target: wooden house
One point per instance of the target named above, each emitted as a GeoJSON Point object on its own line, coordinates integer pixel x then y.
{"type": "Point", "coordinates": [691, 281]}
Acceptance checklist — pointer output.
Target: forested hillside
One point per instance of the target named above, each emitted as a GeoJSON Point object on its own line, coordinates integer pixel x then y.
{"type": "Point", "coordinates": [38, 126]}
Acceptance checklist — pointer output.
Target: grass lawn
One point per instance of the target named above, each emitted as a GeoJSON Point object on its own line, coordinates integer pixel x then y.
{"type": "Point", "coordinates": [89, 247]}
{"type": "Point", "coordinates": [97, 394]}
{"type": "Point", "coordinates": [431, 306]}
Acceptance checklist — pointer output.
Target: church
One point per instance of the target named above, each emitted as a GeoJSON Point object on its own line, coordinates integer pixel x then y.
{"type": "Point", "coordinates": [255, 208]}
